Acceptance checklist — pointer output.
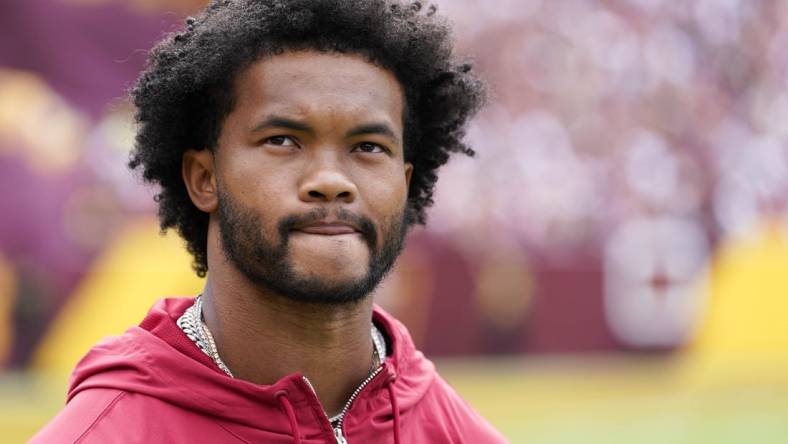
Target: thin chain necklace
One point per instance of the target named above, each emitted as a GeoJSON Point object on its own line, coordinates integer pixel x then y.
{"type": "Point", "coordinates": [193, 325]}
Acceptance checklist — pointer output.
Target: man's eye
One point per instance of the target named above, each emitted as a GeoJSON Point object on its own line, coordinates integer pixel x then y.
{"type": "Point", "coordinates": [368, 147]}
{"type": "Point", "coordinates": [280, 141]}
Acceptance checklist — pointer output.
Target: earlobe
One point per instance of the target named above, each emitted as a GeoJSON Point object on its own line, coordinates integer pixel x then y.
{"type": "Point", "coordinates": [197, 169]}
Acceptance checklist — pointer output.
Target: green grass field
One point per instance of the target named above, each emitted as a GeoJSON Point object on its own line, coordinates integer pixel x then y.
{"type": "Point", "coordinates": [559, 400]}
{"type": "Point", "coordinates": [627, 400]}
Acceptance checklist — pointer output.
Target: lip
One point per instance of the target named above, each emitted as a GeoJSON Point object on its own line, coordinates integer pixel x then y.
{"type": "Point", "coordinates": [328, 228]}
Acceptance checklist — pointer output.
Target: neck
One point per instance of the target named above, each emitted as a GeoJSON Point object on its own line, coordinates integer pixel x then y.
{"type": "Point", "coordinates": [263, 337]}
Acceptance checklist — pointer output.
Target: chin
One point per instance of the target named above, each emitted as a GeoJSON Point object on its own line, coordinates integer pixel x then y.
{"type": "Point", "coordinates": [333, 292]}
{"type": "Point", "coordinates": [331, 280]}
{"type": "Point", "coordinates": [331, 269]}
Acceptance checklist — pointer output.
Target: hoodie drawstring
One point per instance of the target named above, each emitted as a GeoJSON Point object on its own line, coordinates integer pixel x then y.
{"type": "Point", "coordinates": [291, 416]}
{"type": "Point", "coordinates": [394, 407]}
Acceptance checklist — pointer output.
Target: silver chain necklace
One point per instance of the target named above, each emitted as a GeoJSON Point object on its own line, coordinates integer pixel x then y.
{"type": "Point", "coordinates": [193, 325]}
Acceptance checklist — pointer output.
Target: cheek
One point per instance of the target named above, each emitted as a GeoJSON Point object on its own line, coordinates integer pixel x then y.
{"type": "Point", "coordinates": [255, 183]}
{"type": "Point", "coordinates": [387, 194]}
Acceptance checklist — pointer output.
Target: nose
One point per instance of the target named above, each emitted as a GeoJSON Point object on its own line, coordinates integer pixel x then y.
{"type": "Point", "coordinates": [325, 183]}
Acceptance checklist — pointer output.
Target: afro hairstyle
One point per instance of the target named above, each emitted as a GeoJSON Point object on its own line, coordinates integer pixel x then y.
{"type": "Point", "coordinates": [186, 90]}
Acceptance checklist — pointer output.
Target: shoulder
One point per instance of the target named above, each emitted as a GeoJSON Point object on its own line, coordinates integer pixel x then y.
{"type": "Point", "coordinates": [457, 416]}
{"type": "Point", "coordinates": [109, 416]}
{"type": "Point", "coordinates": [76, 420]}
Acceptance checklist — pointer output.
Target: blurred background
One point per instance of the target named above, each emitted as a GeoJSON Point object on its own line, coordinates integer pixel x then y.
{"type": "Point", "coordinates": [611, 268]}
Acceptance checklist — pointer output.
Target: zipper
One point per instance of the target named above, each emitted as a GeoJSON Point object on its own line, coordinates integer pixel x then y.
{"type": "Point", "coordinates": [338, 435]}
{"type": "Point", "coordinates": [353, 398]}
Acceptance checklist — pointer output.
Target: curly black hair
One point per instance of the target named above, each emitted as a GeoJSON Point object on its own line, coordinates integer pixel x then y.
{"type": "Point", "coordinates": [186, 91]}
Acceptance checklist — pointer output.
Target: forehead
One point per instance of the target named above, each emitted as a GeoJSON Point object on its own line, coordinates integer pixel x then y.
{"type": "Point", "coordinates": [309, 84]}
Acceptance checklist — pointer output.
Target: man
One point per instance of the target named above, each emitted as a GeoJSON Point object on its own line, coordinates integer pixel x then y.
{"type": "Point", "coordinates": [294, 143]}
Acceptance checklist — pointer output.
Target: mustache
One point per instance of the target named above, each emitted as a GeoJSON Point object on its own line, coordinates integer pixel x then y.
{"type": "Point", "coordinates": [365, 225]}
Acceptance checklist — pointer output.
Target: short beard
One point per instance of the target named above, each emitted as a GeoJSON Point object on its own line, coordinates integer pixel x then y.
{"type": "Point", "coordinates": [267, 263]}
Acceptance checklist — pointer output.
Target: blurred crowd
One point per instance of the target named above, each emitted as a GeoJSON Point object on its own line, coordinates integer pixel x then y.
{"type": "Point", "coordinates": [611, 110]}
{"type": "Point", "coordinates": [624, 144]}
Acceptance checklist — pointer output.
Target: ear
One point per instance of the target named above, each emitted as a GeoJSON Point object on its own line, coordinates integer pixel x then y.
{"type": "Point", "coordinates": [408, 173]}
{"type": "Point", "coordinates": [197, 168]}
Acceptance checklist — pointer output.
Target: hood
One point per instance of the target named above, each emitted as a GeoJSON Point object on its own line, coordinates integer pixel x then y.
{"type": "Point", "coordinates": [157, 359]}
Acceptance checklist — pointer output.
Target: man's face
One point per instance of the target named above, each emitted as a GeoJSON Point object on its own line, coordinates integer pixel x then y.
{"type": "Point", "coordinates": [311, 176]}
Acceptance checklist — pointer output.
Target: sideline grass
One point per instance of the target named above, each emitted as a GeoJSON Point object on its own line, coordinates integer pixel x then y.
{"type": "Point", "coordinates": [617, 399]}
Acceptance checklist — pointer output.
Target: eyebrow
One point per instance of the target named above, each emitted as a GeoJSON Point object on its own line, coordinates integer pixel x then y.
{"type": "Point", "coordinates": [283, 122]}
{"type": "Point", "coordinates": [379, 128]}
{"type": "Point", "coordinates": [373, 128]}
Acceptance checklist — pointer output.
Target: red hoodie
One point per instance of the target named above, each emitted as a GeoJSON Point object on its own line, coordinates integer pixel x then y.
{"type": "Point", "coordinates": [153, 385]}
